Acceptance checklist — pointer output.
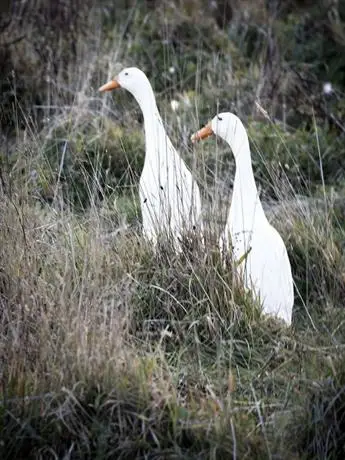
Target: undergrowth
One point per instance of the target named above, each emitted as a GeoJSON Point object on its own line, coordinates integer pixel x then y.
{"type": "Point", "coordinates": [111, 350]}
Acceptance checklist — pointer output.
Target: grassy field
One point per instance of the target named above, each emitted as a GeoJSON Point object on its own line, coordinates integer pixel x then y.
{"type": "Point", "coordinates": [108, 350]}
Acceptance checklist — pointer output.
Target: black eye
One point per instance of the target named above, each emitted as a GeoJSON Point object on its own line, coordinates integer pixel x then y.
{"type": "Point", "coordinates": [126, 73]}
{"type": "Point", "coordinates": [220, 118]}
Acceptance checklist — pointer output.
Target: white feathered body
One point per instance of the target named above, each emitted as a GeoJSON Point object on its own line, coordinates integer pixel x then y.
{"type": "Point", "coordinates": [265, 266]}
{"type": "Point", "coordinates": [169, 196]}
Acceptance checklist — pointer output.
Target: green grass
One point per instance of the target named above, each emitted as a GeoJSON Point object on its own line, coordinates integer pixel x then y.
{"type": "Point", "coordinates": [109, 350]}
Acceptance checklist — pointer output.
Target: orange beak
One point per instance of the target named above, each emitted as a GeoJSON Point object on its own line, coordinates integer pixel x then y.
{"type": "Point", "coordinates": [202, 133]}
{"type": "Point", "coordinates": [112, 84]}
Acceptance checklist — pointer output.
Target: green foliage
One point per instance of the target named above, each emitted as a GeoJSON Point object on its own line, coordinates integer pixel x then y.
{"type": "Point", "coordinates": [320, 283]}
{"type": "Point", "coordinates": [321, 429]}
{"type": "Point", "coordinates": [124, 423]}
{"type": "Point", "coordinates": [305, 158]}
{"type": "Point", "coordinates": [93, 160]}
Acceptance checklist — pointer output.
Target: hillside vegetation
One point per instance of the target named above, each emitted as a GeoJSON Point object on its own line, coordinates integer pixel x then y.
{"type": "Point", "coordinates": [109, 350]}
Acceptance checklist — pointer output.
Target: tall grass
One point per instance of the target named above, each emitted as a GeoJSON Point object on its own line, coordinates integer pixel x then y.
{"type": "Point", "coordinates": [110, 350]}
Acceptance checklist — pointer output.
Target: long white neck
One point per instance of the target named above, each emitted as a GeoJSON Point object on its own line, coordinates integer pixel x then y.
{"type": "Point", "coordinates": [246, 209]}
{"type": "Point", "coordinates": [155, 134]}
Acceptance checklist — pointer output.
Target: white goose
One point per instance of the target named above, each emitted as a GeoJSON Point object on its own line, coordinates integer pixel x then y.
{"type": "Point", "coordinates": [169, 196]}
{"type": "Point", "coordinates": [266, 267]}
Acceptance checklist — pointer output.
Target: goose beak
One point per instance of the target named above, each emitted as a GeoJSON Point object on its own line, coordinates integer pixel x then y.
{"type": "Point", "coordinates": [112, 84]}
{"type": "Point", "coordinates": [202, 133]}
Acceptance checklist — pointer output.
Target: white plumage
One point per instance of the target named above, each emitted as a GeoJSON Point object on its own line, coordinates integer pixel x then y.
{"type": "Point", "coordinates": [266, 267]}
{"type": "Point", "coordinates": [169, 196]}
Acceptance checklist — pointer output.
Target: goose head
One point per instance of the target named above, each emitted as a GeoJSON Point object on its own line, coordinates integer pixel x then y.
{"type": "Point", "coordinates": [132, 79]}
{"type": "Point", "coordinates": [227, 126]}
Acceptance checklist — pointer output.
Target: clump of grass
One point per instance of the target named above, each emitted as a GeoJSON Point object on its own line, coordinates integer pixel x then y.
{"type": "Point", "coordinates": [153, 350]}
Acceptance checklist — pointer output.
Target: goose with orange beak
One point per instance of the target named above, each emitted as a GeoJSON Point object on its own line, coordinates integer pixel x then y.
{"type": "Point", "coordinates": [258, 250]}
{"type": "Point", "coordinates": [169, 196]}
